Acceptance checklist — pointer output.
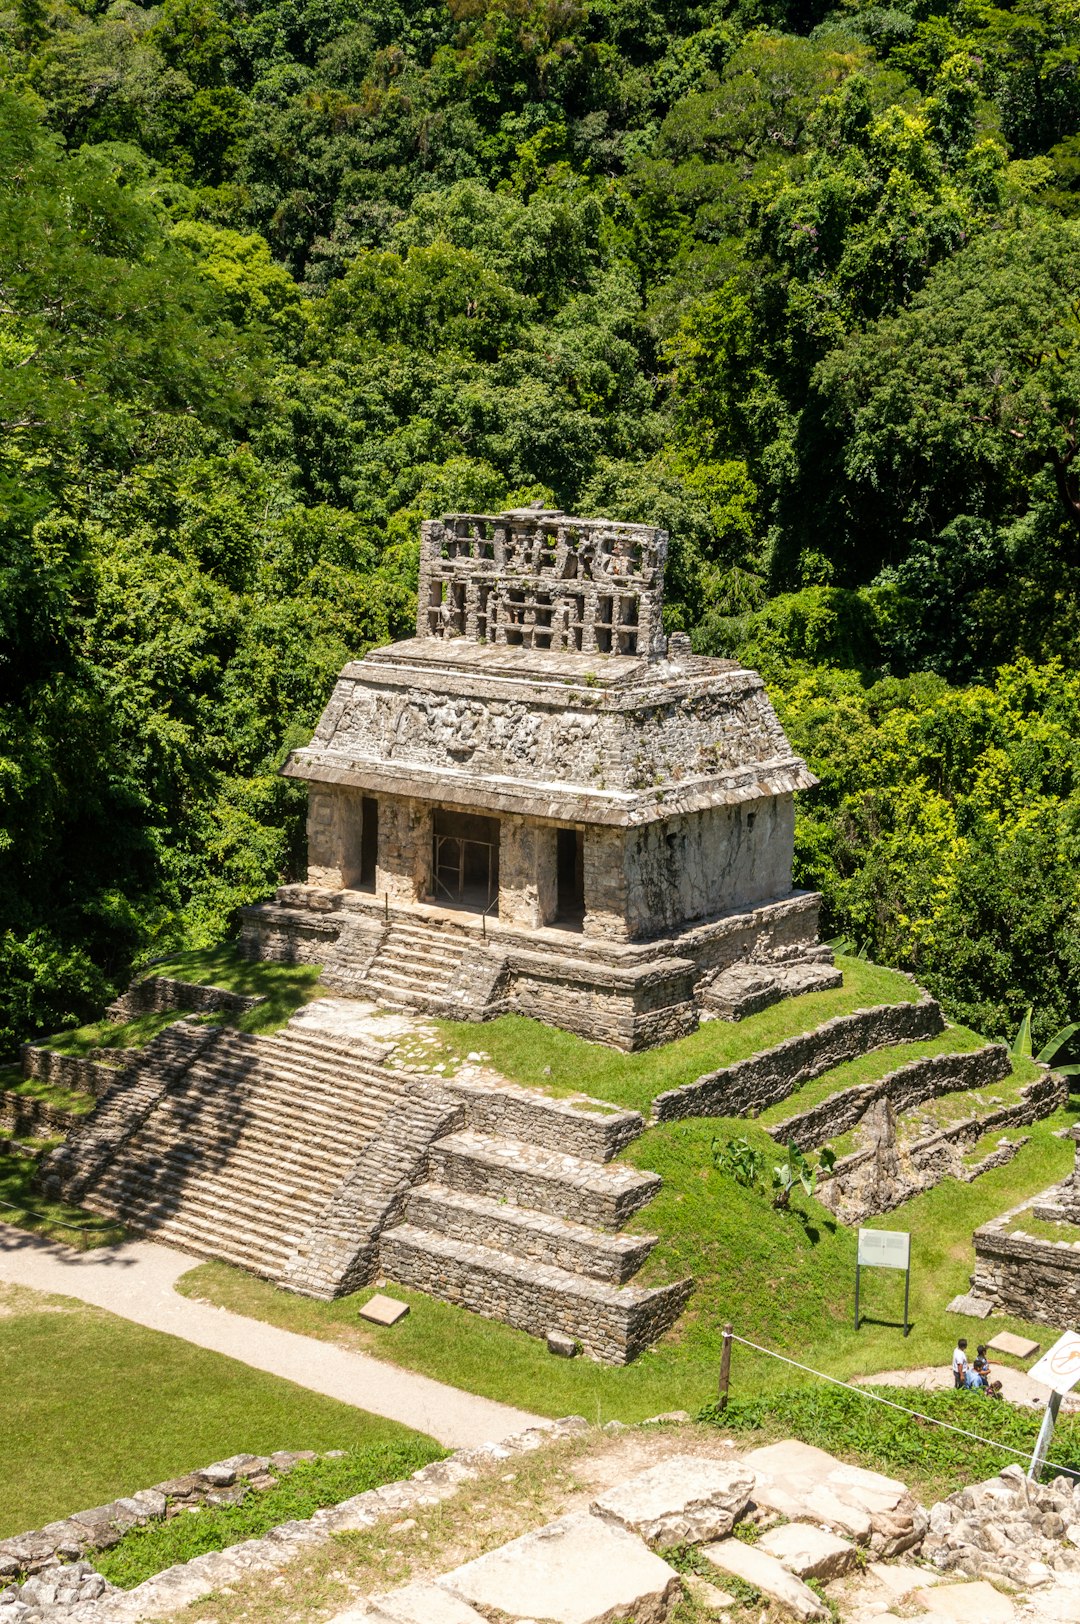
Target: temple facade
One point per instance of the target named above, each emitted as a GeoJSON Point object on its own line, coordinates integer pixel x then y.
{"type": "Point", "coordinates": [540, 803]}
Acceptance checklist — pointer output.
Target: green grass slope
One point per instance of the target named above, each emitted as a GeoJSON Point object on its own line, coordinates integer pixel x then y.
{"type": "Point", "coordinates": [96, 1407]}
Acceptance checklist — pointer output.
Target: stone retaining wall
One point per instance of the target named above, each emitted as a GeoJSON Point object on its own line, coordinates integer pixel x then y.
{"type": "Point", "coordinates": [84, 1532]}
{"type": "Point", "coordinates": [906, 1087]}
{"type": "Point", "coordinates": [91, 1073]}
{"type": "Point", "coordinates": [1026, 1275]}
{"type": "Point", "coordinates": [24, 1117]}
{"type": "Point", "coordinates": [581, 1128]}
{"type": "Point", "coordinates": [161, 995]}
{"type": "Point", "coordinates": [749, 1086]}
{"type": "Point", "coordinates": [937, 1156]}
{"type": "Point", "coordinates": [613, 1323]}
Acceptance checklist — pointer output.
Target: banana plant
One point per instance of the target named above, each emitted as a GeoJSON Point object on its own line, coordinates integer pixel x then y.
{"type": "Point", "coordinates": [1020, 1047]}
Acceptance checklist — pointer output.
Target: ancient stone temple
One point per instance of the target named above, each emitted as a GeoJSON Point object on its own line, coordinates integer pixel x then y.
{"type": "Point", "coordinates": [540, 803]}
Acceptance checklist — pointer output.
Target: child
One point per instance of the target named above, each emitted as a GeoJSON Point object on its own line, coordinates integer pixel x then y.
{"type": "Point", "coordinates": [982, 1363]}
{"type": "Point", "coordinates": [959, 1362]}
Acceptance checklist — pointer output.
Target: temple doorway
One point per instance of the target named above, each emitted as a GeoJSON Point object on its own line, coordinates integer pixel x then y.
{"type": "Point", "coordinates": [369, 841]}
{"type": "Point", "coordinates": [465, 861]}
{"type": "Point", "coordinates": [570, 878]}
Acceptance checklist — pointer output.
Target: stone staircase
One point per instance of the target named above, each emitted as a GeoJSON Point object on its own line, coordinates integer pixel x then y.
{"type": "Point", "coordinates": [517, 1229]}
{"type": "Point", "coordinates": [414, 966]}
{"type": "Point", "coordinates": [303, 1159]}
{"type": "Point", "coordinates": [242, 1154]}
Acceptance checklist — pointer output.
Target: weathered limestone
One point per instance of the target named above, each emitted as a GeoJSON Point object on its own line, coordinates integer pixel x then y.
{"type": "Point", "coordinates": [159, 995]}
{"type": "Point", "coordinates": [541, 761]}
{"type": "Point", "coordinates": [686, 1500]}
{"type": "Point", "coordinates": [756, 1567]}
{"type": "Point", "coordinates": [1031, 1276]}
{"type": "Point", "coordinates": [804, 1483]}
{"type": "Point", "coordinates": [809, 1552]}
{"type": "Point", "coordinates": [578, 1570]}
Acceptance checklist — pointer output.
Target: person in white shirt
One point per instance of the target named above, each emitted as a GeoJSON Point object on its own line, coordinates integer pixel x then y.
{"type": "Point", "coordinates": [959, 1362]}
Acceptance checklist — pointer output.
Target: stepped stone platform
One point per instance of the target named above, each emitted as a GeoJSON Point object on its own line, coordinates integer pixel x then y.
{"type": "Point", "coordinates": [1035, 1277]}
{"type": "Point", "coordinates": [307, 1160]}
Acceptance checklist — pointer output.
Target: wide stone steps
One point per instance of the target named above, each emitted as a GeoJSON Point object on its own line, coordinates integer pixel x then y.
{"type": "Point", "coordinates": [212, 1232]}
{"type": "Point", "coordinates": [333, 1073]}
{"type": "Point", "coordinates": [161, 1152]}
{"type": "Point", "coordinates": [525, 1233]}
{"type": "Point", "coordinates": [232, 1204]}
{"type": "Point", "coordinates": [209, 1103]}
{"type": "Point", "coordinates": [565, 1186]}
{"type": "Point", "coordinates": [610, 1322]}
{"type": "Point", "coordinates": [414, 965]}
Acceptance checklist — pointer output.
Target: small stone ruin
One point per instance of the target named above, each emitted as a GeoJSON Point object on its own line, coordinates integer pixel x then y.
{"type": "Point", "coordinates": [539, 803]}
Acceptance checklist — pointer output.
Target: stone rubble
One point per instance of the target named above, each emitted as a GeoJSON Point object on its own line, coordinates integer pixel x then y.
{"type": "Point", "coordinates": [1008, 1529]}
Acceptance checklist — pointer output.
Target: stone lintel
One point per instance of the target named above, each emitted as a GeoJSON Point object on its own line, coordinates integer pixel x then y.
{"type": "Point", "coordinates": [551, 803]}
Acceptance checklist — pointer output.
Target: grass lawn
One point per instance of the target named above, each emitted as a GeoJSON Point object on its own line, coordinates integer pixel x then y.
{"type": "Point", "coordinates": [285, 987]}
{"type": "Point", "coordinates": [542, 1057]}
{"type": "Point", "coordinates": [27, 1208]}
{"type": "Point", "coordinates": [786, 1282]}
{"type": "Point", "coordinates": [95, 1407]}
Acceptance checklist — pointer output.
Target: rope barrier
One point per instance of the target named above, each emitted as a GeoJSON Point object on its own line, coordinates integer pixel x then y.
{"type": "Point", "coordinates": [86, 1229]}
{"type": "Point", "coordinates": [932, 1420]}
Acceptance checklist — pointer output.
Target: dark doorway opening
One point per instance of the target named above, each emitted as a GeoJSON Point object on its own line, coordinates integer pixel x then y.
{"type": "Point", "coordinates": [570, 878]}
{"type": "Point", "coordinates": [369, 841]}
{"type": "Point", "coordinates": [465, 861]}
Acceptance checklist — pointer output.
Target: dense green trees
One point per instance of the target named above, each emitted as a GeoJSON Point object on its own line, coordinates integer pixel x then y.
{"type": "Point", "coordinates": [277, 280]}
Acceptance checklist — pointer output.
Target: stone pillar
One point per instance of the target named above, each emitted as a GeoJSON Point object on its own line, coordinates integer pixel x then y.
{"type": "Point", "coordinates": [403, 869]}
{"type": "Point", "coordinates": [605, 884]}
{"type": "Point", "coordinates": [547, 880]}
{"type": "Point", "coordinates": [518, 858]}
{"type": "Point", "coordinates": [326, 835]}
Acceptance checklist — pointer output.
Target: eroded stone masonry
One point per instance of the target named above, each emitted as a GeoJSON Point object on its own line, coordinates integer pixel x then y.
{"type": "Point", "coordinates": [540, 803]}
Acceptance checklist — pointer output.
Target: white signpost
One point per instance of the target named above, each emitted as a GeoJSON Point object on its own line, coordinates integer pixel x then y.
{"type": "Point", "coordinates": [1058, 1369]}
{"type": "Point", "coordinates": [885, 1249]}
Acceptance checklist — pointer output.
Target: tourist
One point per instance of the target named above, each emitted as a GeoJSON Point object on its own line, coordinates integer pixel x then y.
{"type": "Point", "coordinates": [973, 1382]}
{"type": "Point", "coordinates": [959, 1362]}
{"type": "Point", "coordinates": [982, 1363]}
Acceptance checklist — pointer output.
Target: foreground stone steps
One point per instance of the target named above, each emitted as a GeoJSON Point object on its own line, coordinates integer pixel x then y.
{"type": "Point", "coordinates": [414, 966]}
{"type": "Point", "coordinates": [528, 1175]}
{"type": "Point", "coordinates": [525, 1233]}
{"type": "Point", "coordinates": [611, 1323]}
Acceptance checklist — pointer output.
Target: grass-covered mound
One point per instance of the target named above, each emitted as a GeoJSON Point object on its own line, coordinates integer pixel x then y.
{"type": "Point", "coordinates": [25, 1207]}
{"type": "Point", "coordinates": [785, 1281]}
{"type": "Point", "coordinates": [96, 1407]}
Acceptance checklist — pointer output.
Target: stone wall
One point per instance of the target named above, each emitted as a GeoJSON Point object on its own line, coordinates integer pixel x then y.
{"type": "Point", "coordinates": [90, 1073]}
{"type": "Point", "coordinates": [613, 1323]}
{"type": "Point", "coordinates": [580, 1128]}
{"type": "Point", "coordinates": [23, 1117]}
{"type": "Point", "coordinates": [906, 1087]}
{"type": "Point", "coordinates": [750, 1086]}
{"type": "Point", "coordinates": [1034, 1279]}
{"type": "Point", "coordinates": [697, 865]}
{"type": "Point", "coordinates": [161, 995]}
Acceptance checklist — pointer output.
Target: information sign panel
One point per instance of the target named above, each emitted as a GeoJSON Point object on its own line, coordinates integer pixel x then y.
{"type": "Point", "coordinates": [1059, 1367]}
{"type": "Point", "coordinates": [884, 1248]}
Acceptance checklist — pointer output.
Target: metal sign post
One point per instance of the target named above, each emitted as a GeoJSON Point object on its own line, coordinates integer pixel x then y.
{"type": "Point", "coordinates": [1058, 1369]}
{"type": "Point", "coordinates": [884, 1249]}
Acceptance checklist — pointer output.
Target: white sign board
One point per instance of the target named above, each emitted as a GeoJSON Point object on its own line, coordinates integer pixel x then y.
{"type": "Point", "coordinates": [884, 1249]}
{"type": "Point", "coordinates": [1059, 1367]}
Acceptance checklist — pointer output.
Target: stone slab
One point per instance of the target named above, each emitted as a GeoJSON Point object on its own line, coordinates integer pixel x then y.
{"type": "Point", "coordinates": [710, 1598]}
{"type": "Point", "coordinates": [683, 1501]}
{"type": "Point", "coordinates": [382, 1310]}
{"type": "Point", "coordinates": [807, 1484]}
{"type": "Point", "coordinates": [976, 1603]}
{"type": "Point", "coordinates": [580, 1569]}
{"type": "Point", "coordinates": [756, 1567]}
{"type": "Point", "coordinates": [422, 1603]}
{"type": "Point", "coordinates": [974, 1307]}
{"type": "Point", "coordinates": [809, 1552]}
{"type": "Point", "coordinates": [1021, 1347]}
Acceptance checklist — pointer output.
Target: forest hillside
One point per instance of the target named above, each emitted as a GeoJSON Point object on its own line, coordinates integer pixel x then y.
{"type": "Point", "coordinates": [280, 278]}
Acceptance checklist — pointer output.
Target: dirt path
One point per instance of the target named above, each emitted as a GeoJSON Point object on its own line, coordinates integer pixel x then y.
{"type": "Point", "coordinates": [136, 1281]}
{"type": "Point", "coordinates": [1017, 1387]}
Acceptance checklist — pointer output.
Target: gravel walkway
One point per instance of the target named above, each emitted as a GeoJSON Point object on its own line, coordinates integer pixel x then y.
{"type": "Point", "coordinates": [1017, 1387]}
{"type": "Point", "coordinates": [136, 1281]}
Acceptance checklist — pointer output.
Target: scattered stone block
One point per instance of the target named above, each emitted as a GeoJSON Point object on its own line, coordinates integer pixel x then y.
{"type": "Point", "coordinates": [578, 1570]}
{"type": "Point", "coordinates": [1021, 1347]}
{"type": "Point", "coordinates": [382, 1310]}
{"type": "Point", "coordinates": [756, 1567]}
{"type": "Point", "coordinates": [683, 1501]}
{"type": "Point", "coordinates": [422, 1603]}
{"type": "Point", "coordinates": [710, 1597]}
{"type": "Point", "coordinates": [974, 1307]}
{"type": "Point", "coordinates": [976, 1603]}
{"type": "Point", "coordinates": [560, 1344]}
{"type": "Point", "coordinates": [808, 1552]}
